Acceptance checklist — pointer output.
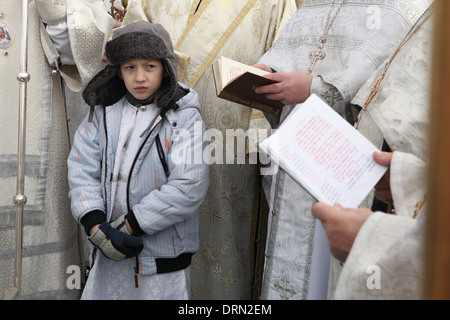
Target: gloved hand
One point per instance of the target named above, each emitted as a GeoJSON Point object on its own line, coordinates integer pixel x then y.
{"type": "Point", "coordinates": [51, 11]}
{"type": "Point", "coordinates": [114, 244]}
{"type": "Point", "coordinates": [129, 217]}
{"type": "Point", "coordinates": [120, 224]}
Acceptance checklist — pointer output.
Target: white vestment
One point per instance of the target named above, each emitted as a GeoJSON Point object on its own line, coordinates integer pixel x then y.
{"type": "Point", "coordinates": [243, 31]}
{"type": "Point", "coordinates": [50, 234]}
{"type": "Point", "coordinates": [363, 35]}
{"type": "Point", "coordinates": [386, 258]}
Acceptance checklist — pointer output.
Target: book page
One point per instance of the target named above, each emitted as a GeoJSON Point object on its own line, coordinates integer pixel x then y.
{"type": "Point", "coordinates": [325, 154]}
{"type": "Point", "coordinates": [230, 69]}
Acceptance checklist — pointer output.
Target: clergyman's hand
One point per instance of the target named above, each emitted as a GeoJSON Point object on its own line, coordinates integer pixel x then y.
{"type": "Point", "coordinates": [291, 87]}
{"type": "Point", "coordinates": [341, 225]}
{"type": "Point", "coordinates": [264, 67]}
{"type": "Point", "coordinates": [383, 187]}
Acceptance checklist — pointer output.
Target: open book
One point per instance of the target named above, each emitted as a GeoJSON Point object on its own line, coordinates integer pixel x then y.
{"type": "Point", "coordinates": [236, 82]}
{"type": "Point", "coordinates": [325, 154]}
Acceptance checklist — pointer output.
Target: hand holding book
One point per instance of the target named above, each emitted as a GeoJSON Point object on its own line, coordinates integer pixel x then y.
{"type": "Point", "coordinates": [236, 82]}
{"type": "Point", "coordinates": [289, 88]}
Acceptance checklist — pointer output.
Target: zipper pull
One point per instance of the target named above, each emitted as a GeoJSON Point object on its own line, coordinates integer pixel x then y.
{"type": "Point", "coordinates": [136, 272]}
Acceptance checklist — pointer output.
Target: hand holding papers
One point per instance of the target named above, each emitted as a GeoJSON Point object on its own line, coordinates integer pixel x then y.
{"type": "Point", "coordinates": [325, 154]}
{"type": "Point", "coordinates": [332, 161]}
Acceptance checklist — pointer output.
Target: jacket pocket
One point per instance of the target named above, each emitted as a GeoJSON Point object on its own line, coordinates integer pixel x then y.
{"type": "Point", "coordinates": [179, 227]}
{"type": "Point", "coordinates": [179, 243]}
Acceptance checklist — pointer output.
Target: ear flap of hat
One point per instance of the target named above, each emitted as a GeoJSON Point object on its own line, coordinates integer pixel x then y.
{"type": "Point", "coordinates": [105, 89]}
{"type": "Point", "coordinates": [168, 88]}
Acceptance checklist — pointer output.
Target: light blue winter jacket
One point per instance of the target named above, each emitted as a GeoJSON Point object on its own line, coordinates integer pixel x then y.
{"type": "Point", "coordinates": [166, 208]}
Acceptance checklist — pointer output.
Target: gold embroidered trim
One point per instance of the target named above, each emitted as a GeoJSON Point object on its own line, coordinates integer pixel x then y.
{"type": "Point", "coordinates": [223, 39]}
{"type": "Point", "coordinates": [193, 18]}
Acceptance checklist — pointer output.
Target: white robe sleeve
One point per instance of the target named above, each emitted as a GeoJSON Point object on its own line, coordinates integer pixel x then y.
{"type": "Point", "coordinates": [60, 36]}
{"type": "Point", "coordinates": [385, 260]}
{"type": "Point", "coordinates": [75, 47]}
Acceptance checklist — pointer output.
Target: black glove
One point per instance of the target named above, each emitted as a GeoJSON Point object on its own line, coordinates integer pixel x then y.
{"type": "Point", "coordinates": [114, 244]}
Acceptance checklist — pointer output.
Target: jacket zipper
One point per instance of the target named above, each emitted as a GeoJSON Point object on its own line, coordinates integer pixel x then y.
{"type": "Point", "coordinates": [161, 155]}
{"type": "Point", "coordinates": [106, 159]}
{"type": "Point", "coordinates": [136, 268]}
{"type": "Point", "coordinates": [136, 272]}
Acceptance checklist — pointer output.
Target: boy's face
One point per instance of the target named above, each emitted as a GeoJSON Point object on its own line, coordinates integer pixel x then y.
{"type": "Point", "coordinates": [142, 77]}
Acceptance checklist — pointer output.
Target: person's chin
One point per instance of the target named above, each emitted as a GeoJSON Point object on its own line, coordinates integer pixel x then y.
{"type": "Point", "coordinates": [141, 96]}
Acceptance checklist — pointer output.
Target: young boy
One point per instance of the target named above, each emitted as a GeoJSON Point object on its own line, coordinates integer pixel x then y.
{"type": "Point", "coordinates": [137, 202]}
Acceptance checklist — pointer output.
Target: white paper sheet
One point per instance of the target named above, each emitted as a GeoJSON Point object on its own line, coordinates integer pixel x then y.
{"type": "Point", "coordinates": [325, 154]}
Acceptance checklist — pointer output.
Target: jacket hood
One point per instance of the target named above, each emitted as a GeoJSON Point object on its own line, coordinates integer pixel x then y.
{"type": "Point", "coordinates": [140, 39]}
{"type": "Point", "coordinates": [185, 97]}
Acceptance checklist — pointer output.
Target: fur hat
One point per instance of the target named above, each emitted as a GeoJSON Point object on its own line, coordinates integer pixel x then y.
{"type": "Point", "coordinates": [140, 39]}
